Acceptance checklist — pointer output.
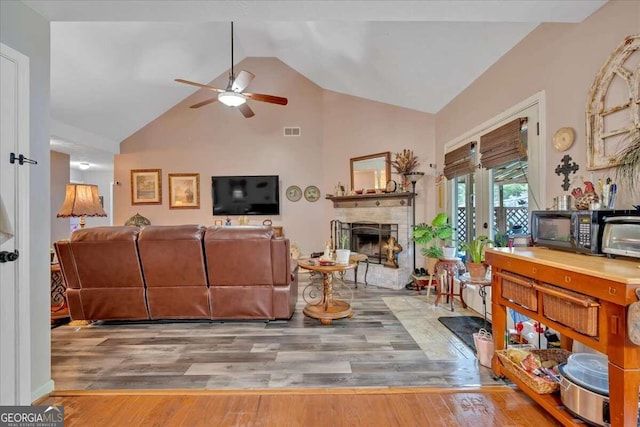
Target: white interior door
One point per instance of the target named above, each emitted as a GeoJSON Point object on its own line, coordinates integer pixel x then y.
{"type": "Point", "coordinates": [15, 354]}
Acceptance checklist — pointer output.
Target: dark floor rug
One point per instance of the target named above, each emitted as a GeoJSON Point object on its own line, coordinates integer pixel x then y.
{"type": "Point", "coordinates": [464, 327]}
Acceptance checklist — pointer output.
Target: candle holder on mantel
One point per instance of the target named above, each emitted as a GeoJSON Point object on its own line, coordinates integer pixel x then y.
{"type": "Point", "coordinates": [413, 177]}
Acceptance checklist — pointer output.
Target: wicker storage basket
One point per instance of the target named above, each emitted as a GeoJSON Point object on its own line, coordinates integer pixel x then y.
{"type": "Point", "coordinates": [537, 384]}
{"type": "Point", "coordinates": [519, 289]}
{"type": "Point", "coordinates": [572, 309]}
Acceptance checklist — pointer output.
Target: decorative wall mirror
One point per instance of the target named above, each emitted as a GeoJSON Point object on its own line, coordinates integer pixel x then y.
{"type": "Point", "coordinates": [371, 172]}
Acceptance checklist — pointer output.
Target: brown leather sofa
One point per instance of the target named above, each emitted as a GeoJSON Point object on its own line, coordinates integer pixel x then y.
{"type": "Point", "coordinates": [178, 272]}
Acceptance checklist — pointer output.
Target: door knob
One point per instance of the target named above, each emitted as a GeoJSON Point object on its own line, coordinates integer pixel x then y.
{"type": "Point", "coordinates": [9, 256]}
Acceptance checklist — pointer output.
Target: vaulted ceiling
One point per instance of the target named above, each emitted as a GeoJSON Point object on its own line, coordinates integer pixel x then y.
{"type": "Point", "coordinates": [113, 62]}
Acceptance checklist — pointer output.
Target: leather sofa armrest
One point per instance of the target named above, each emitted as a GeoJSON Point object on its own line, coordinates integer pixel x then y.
{"type": "Point", "coordinates": [281, 262]}
{"type": "Point", "coordinates": [67, 263]}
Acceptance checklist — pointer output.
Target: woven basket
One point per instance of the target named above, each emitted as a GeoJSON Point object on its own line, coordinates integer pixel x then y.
{"type": "Point", "coordinates": [572, 309]}
{"type": "Point", "coordinates": [519, 289]}
{"type": "Point", "coordinates": [537, 384]}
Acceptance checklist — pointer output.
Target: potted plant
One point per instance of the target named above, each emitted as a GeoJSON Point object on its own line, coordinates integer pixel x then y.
{"type": "Point", "coordinates": [342, 254]}
{"type": "Point", "coordinates": [475, 256]}
{"type": "Point", "coordinates": [434, 235]}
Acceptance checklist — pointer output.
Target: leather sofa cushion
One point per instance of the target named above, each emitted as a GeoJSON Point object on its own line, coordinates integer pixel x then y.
{"type": "Point", "coordinates": [106, 257]}
{"type": "Point", "coordinates": [172, 255]}
{"type": "Point", "coordinates": [231, 251]}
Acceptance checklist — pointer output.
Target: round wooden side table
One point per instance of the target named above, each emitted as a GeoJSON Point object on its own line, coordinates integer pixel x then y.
{"type": "Point", "coordinates": [326, 304]}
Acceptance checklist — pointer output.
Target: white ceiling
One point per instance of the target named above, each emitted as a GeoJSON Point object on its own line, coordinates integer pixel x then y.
{"type": "Point", "coordinates": [113, 62]}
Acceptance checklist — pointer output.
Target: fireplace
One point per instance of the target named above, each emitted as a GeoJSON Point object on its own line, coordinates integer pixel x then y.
{"type": "Point", "coordinates": [369, 221]}
{"type": "Point", "coordinates": [366, 238]}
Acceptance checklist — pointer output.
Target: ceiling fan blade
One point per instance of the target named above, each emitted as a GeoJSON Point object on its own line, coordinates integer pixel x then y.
{"type": "Point", "coordinates": [243, 79]}
{"type": "Point", "coordinates": [246, 111]}
{"type": "Point", "coordinates": [203, 103]}
{"type": "Point", "coordinates": [267, 98]}
{"type": "Point", "coordinates": [200, 85]}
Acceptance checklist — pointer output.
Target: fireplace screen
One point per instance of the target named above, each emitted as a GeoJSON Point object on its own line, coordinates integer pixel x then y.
{"type": "Point", "coordinates": [366, 238]}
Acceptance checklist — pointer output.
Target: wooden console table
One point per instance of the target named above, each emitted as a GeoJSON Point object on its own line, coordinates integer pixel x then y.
{"type": "Point", "coordinates": [609, 283]}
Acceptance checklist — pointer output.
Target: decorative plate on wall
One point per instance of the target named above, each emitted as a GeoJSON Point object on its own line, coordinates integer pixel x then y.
{"type": "Point", "coordinates": [312, 193]}
{"type": "Point", "coordinates": [563, 138]}
{"type": "Point", "coordinates": [391, 186]}
{"type": "Point", "coordinates": [294, 193]}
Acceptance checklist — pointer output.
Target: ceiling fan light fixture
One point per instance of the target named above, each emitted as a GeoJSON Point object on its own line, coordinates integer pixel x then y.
{"type": "Point", "coordinates": [232, 99]}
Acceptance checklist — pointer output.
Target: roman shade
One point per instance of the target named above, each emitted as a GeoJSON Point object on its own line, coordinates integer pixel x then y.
{"type": "Point", "coordinates": [504, 144]}
{"type": "Point", "coordinates": [460, 161]}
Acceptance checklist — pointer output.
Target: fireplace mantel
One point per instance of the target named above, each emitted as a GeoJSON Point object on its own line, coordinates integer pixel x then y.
{"type": "Point", "coordinates": [372, 200]}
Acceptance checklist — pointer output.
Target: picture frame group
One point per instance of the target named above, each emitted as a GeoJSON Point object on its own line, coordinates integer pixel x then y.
{"type": "Point", "coordinates": [184, 188]}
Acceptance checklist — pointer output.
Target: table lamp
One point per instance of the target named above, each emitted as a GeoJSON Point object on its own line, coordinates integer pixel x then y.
{"type": "Point", "coordinates": [81, 200]}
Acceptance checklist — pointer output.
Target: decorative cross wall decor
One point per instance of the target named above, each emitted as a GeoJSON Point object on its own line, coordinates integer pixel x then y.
{"type": "Point", "coordinates": [565, 168]}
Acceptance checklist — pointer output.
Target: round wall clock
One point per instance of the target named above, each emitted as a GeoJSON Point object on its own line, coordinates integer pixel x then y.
{"type": "Point", "coordinates": [312, 193]}
{"type": "Point", "coordinates": [294, 193]}
{"type": "Point", "coordinates": [563, 138]}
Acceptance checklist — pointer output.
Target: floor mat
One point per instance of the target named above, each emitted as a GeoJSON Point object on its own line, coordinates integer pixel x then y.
{"type": "Point", "coordinates": [464, 327]}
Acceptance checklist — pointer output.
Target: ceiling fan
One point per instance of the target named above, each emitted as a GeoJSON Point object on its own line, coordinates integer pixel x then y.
{"type": "Point", "coordinates": [233, 95]}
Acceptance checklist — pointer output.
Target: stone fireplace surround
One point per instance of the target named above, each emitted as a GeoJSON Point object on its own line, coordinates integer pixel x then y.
{"type": "Point", "coordinates": [383, 213]}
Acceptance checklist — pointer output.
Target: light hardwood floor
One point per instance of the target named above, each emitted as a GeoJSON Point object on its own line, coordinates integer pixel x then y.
{"type": "Point", "coordinates": [490, 406]}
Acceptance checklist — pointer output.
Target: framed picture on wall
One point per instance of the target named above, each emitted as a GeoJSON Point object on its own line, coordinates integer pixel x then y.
{"type": "Point", "coordinates": [146, 186]}
{"type": "Point", "coordinates": [184, 191]}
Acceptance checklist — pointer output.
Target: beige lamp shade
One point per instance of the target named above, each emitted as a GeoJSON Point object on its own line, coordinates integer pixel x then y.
{"type": "Point", "coordinates": [81, 200]}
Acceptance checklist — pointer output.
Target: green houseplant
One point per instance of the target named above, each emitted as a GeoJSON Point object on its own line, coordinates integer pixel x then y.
{"type": "Point", "coordinates": [475, 256]}
{"type": "Point", "coordinates": [433, 236]}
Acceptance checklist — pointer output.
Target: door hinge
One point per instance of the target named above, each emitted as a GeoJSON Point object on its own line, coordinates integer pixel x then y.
{"type": "Point", "coordinates": [538, 128]}
{"type": "Point", "coordinates": [20, 159]}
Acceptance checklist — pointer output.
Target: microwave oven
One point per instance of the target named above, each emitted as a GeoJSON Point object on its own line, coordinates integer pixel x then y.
{"type": "Point", "coordinates": [575, 231]}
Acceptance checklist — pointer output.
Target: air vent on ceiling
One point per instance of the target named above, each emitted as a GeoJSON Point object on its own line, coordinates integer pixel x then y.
{"type": "Point", "coordinates": [289, 131]}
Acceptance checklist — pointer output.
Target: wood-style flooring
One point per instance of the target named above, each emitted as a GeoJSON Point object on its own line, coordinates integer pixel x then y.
{"type": "Point", "coordinates": [392, 364]}
{"type": "Point", "coordinates": [393, 340]}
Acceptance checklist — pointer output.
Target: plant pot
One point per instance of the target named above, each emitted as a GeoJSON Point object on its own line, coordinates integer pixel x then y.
{"type": "Point", "coordinates": [449, 253]}
{"type": "Point", "coordinates": [431, 265]}
{"type": "Point", "coordinates": [477, 270]}
{"type": "Point", "coordinates": [342, 256]}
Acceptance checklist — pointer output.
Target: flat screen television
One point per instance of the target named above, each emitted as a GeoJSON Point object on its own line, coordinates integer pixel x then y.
{"type": "Point", "coordinates": [246, 195]}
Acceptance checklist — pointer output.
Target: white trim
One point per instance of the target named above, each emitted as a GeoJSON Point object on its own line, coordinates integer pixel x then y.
{"type": "Point", "coordinates": [22, 320]}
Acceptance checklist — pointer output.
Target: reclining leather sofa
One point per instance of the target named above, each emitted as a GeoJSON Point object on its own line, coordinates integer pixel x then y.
{"type": "Point", "coordinates": [178, 272]}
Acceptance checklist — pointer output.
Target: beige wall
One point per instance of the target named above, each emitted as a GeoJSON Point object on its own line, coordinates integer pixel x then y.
{"type": "Point", "coordinates": [59, 180]}
{"type": "Point", "coordinates": [560, 59]}
{"type": "Point", "coordinates": [216, 140]}
{"type": "Point", "coordinates": [356, 127]}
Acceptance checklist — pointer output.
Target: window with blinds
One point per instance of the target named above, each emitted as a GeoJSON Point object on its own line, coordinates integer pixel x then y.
{"type": "Point", "coordinates": [504, 144]}
{"type": "Point", "coordinates": [460, 161]}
